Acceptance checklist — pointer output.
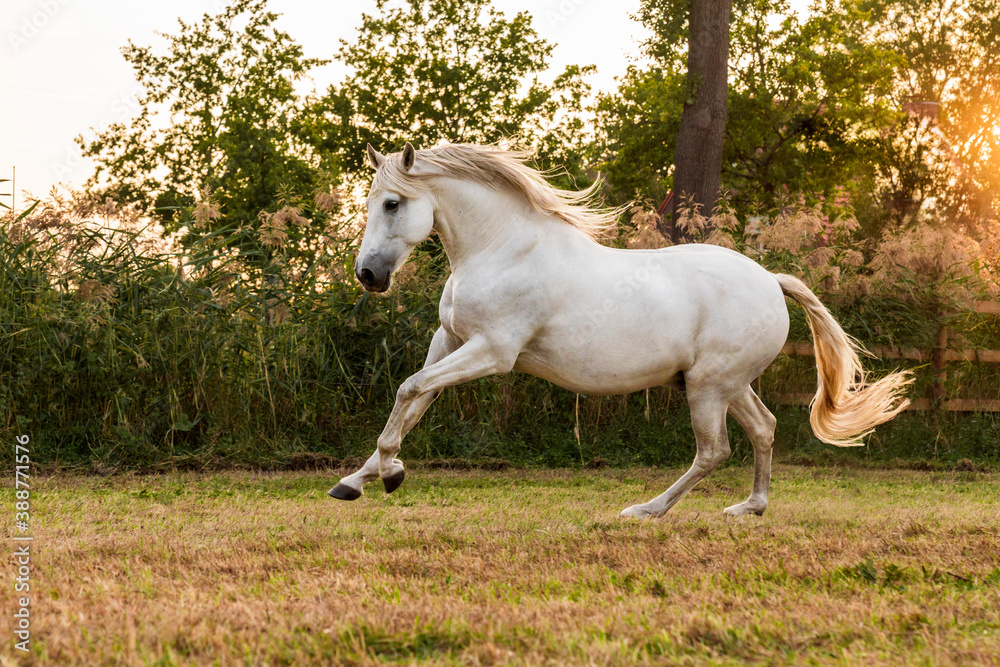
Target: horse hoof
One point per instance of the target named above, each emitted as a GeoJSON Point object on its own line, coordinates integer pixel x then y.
{"type": "Point", "coordinates": [634, 512]}
{"type": "Point", "coordinates": [344, 492]}
{"type": "Point", "coordinates": [393, 481]}
{"type": "Point", "coordinates": [743, 510]}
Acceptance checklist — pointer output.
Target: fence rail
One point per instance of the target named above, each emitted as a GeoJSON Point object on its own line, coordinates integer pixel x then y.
{"type": "Point", "coordinates": [939, 356]}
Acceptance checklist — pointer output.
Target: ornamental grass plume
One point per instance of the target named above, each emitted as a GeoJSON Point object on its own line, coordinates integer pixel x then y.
{"type": "Point", "coordinates": [289, 214]}
{"type": "Point", "coordinates": [277, 311]}
{"type": "Point", "coordinates": [644, 231]}
{"type": "Point", "coordinates": [725, 227]}
{"type": "Point", "coordinates": [927, 261]}
{"type": "Point", "coordinates": [272, 230]}
{"type": "Point", "coordinates": [644, 228]}
{"type": "Point", "coordinates": [691, 222]}
{"type": "Point", "coordinates": [930, 256]}
{"type": "Point", "coordinates": [223, 298]}
{"type": "Point", "coordinates": [75, 229]}
{"type": "Point", "coordinates": [207, 209]}
{"type": "Point", "coordinates": [327, 201]}
{"type": "Point", "coordinates": [793, 229]}
{"type": "Point", "coordinates": [96, 292]}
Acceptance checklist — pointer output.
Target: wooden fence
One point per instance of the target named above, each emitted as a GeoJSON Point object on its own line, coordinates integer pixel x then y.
{"type": "Point", "coordinates": [939, 356]}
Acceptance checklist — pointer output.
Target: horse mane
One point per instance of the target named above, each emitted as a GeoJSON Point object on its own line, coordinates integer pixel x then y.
{"type": "Point", "coordinates": [499, 169]}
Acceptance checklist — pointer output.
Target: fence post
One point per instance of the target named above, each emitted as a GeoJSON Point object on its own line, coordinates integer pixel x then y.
{"type": "Point", "coordinates": [939, 357]}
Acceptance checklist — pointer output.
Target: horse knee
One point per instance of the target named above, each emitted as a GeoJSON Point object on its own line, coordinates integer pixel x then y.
{"type": "Point", "coordinates": [407, 391]}
{"type": "Point", "coordinates": [720, 454]}
{"type": "Point", "coordinates": [710, 459]}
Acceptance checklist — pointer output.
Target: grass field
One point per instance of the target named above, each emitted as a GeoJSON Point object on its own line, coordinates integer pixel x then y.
{"type": "Point", "coordinates": [513, 567]}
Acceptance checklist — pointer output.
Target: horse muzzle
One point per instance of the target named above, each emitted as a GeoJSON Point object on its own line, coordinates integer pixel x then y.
{"type": "Point", "coordinates": [372, 281]}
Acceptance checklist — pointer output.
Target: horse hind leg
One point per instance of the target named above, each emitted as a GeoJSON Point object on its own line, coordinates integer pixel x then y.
{"type": "Point", "coordinates": [759, 424]}
{"type": "Point", "coordinates": [708, 417]}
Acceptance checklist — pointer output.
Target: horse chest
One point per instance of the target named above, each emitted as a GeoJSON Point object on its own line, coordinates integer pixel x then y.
{"type": "Point", "coordinates": [497, 308]}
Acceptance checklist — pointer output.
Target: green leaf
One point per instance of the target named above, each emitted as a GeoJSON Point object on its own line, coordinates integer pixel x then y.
{"type": "Point", "coordinates": [185, 424]}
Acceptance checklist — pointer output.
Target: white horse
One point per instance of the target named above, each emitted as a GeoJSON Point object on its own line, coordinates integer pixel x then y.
{"type": "Point", "coordinates": [530, 289]}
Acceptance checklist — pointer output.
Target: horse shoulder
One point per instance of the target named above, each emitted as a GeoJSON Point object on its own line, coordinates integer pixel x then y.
{"type": "Point", "coordinates": [496, 305]}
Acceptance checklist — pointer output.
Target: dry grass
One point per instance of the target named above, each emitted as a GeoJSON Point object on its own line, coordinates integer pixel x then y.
{"type": "Point", "coordinates": [514, 567]}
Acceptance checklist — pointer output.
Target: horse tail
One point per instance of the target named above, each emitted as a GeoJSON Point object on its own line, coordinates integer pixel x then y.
{"type": "Point", "coordinates": [846, 407]}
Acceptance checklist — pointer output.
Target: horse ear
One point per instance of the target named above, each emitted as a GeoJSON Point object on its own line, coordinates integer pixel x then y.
{"type": "Point", "coordinates": [409, 156]}
{"type": "Point", "coordinates": [375, 159]}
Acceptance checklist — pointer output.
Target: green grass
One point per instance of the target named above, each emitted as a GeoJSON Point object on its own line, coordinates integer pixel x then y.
{"type": "Point", "coordinates": [519, 566]}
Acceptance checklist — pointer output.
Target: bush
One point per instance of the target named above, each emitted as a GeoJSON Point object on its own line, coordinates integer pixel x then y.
{"type": "Point", "coordinates": [253, 347]}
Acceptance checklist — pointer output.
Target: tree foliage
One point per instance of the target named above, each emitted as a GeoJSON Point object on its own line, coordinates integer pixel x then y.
{"type": "Point", "coordinates": [806, 99]}
{"type": "Point", "coordinates": [218, 113]}
{"type": "Point", "coordinates": [637, 130]}
{"type": "Point", "coordinates": [946, 155]}
{"type": "Point", "coordinates": [820, 103]}
{"type": "Point", "coordinates": [432, 71]}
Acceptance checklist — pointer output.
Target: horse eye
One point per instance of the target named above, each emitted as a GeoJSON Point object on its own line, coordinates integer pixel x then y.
{"type": "Point", "coordinates": [391, 205]}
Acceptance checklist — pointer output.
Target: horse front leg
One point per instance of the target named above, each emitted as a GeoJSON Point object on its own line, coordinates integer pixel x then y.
{"type": "Point", "coordinates": [350, 487]}
{"type": "Point", "coordinates": [473, 359]}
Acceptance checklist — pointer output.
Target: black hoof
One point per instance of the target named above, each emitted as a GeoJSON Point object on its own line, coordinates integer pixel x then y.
{"type": "Point", "coordinates": [344, 492]}
{"type": "Point", "coordinates": [393, 481]}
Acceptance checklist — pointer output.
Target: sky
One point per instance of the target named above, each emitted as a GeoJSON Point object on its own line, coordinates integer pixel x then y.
{"type": "Point", "coordinates": [62, 72]}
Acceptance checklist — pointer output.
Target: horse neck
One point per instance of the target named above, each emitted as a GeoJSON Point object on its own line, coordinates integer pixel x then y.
{"type": "Point", "coordinates": [473, 220]}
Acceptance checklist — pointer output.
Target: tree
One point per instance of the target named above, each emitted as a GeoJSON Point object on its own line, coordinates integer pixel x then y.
{"type": "Point", "coordinates": [428, 71]}
{"type": "Point", "coordinates": [806, 101]}
{"type": "Point", "coordinates": [698, 157]}
{"type": "Point", "coordinates": [219, 114]}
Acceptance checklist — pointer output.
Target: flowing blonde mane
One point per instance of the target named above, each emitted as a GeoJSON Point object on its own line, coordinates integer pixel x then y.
{"type": "Point", "coordinates": [498, 169]}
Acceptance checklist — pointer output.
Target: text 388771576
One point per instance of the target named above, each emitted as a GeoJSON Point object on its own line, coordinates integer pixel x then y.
{"type": "Point", "coordinates": [22, 543]}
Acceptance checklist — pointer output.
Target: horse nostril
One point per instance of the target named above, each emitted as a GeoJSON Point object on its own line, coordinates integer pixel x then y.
{"type": "Point", "coordinates": [366, 276]}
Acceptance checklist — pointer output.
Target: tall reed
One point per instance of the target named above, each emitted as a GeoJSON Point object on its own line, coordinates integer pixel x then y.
{"type": "Point", "coordinates": [250, 347]}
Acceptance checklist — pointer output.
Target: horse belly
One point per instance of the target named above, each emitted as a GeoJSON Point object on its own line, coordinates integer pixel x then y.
{"type": "Point", "coordinates": [615, 358]}
{"type": "Point", "coordinates": [598, 381]}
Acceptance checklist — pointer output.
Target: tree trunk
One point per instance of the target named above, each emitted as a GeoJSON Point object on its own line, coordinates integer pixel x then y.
{"type": "Point", "coordinates": [698, 159]}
